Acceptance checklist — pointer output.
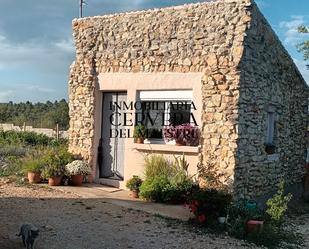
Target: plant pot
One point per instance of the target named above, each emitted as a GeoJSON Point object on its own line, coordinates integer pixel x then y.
{"type": "Point", "coordinates": [178, 144]}
{"type": "Point", "coordinates": [77, 180]}
{"type": "Point", "coordinates": [54, 181]}
{"type": "Point", "coordinates": [134, 193]}
{"type": "Point", "coordinates": [89, 178]}
{"type": "Point", "coordinates": [221, 220]}
{"type": "Point", "coordinates": [139, 140]}
{"type": "Point", "coordinates": [255, 226]}
{"type": "Point", "coordinates": [34, 177]}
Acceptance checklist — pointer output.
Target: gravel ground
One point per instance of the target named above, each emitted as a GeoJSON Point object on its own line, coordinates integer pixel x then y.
{"type": "Point", "coordinates": [68, 222]}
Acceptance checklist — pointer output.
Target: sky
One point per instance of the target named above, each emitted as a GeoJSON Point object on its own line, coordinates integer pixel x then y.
{"type": "Point", "coordinates": [36, 47]}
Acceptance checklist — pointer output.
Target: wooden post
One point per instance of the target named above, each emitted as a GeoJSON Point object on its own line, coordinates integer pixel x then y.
{"type": "Point", "coordinates": [24, 126]}
{"type": "Point", "coordinates": [57, 132]}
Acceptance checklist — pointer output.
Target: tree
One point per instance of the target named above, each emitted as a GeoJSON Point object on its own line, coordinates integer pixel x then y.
{"type": "Point", "coordinates": [45, 115]}
{"type": "Point", "coordinates": [304, 46]}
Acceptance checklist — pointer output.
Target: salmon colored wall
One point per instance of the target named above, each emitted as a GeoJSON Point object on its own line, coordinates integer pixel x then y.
{"type": "Point", "coordinates": [132, 83]}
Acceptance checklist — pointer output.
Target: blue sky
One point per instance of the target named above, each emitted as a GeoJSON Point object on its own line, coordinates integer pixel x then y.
{"type": "Point", "coordinates": [36, 47]}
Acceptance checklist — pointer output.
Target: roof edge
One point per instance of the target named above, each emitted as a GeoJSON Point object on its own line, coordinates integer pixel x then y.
{"type": "Point", "coordinates": [176, 7]}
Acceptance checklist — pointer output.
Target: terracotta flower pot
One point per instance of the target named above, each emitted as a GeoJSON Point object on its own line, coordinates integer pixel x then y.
{"type": "Point", "coordinates": [89, 178]}
{"type": "Point", "coordinates": [77, 180]}
{"type": "Point", "coordinates": [54, 181]}
{"type": "Point", "coordinates": [254, 226]}
{"type": "Point", "coordinates": [34, 177]}
{"type": "Point", "coordinates": [134, 193]}
{"type": "Point", "coordinates": [139, 140]}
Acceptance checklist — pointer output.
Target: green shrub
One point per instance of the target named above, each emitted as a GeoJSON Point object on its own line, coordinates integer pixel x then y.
{"type": "Point", "coordinates": [35, 165]}
{"type": "Point", "coordinates": [52, 170]}
{"type": "Point", "coordinates": [166, 181]}
{"type": "Point", "coordinates": [55, 161]}
{"type": "Point", "coordinates": [278, 205]}
{"type": "Point", "coordinates": [134, 183]}
{"type": "Point", "coordinates": [155, 188]}
{"type": "Point", "coordinates": [157, 165]}
{"type": "Point", "coordinates": [25, 138]}
{"type": "Point", "coordinates": [209, 204]}
{"type": "Point", "coordinates": [11, 165]}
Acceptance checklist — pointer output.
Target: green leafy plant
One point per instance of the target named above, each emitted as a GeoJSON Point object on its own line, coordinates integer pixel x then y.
{"type": "Point", "coordinates": [55, 161]}
{"type": "Point", "coordinates": [155, 189]}
{"type": "Point", "coordinates": [278, 205]}
{"type": "Point", "coordinates": [139, 131]}
{"type": "Point", "coordinates": [134, 183]}
{"type": "Point", "coordinates": [166, 181]}
{"type": "Point", "coordinates": [157, 165]}
{"type": "Point", "coordinates": [208, 204]}
{"type": "Point", "coordinates": [210, 175]}
{"type": "Point", "coordinates": [52, 170]}
{"type": "Point", "coordinates": [35, 165]}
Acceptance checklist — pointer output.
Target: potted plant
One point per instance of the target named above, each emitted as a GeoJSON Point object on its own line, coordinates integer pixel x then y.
{"type": "Point", "coordinates": [76, 170]}
{"type": "Point", "coordinates": [53, 173]}
{"type": "Point", "coordinates": [139, 133]}
{"type": "Point", "coordinates": [55, 161]}
{"type": "Point", "coordinates": [134, 184]}
{"type": "Point", "coordinates": [185, 134]}
{"type": "Point", "coordinates": [33, 170]}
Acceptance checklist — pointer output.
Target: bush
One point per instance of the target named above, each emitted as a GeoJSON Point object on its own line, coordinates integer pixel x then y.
{"type": "Point", "coordinates": [36, 165]}
{"type": "Point", "coordinates": [166, 181]}
{"type": "Point", "coordinates": [157, 165]}
{"type": "Point", "coordinates": [134, 183]}
{"type": "Point", "coordinates": [278, 205]}
{"type": "Point", "coordinates": [52, 170]}
{"type": "Point", "coordinates": [55, 160]}
{"type": "Point", "coordinates": [209, 204]}
{"type": "Point", "coordinates": [25, 138]}
{"type": "Point", "coordinates": [154, 189]}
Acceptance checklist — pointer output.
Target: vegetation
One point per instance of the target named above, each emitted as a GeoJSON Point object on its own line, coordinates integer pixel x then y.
{"type": "Point", "coordinates": [209, 204]}
{"type": "Point", "coordinates": [13, 138]}
{"type": "Point", "coordinates": [35, 165]}
{"type": "Point", "coordinates": [40, 115]}
{"type": "Point", "coordinates": [22, 150]}
{"type": "Point", "coordinates": [77, 167]}
{"type": "Point", "coordinates": [139, 131]}
{"type": "Point", "coordinates": [304, 46]}
{"type": "Point", "coordinates": [278, 205]}
{"type": "Point", "coordinates": [134, 183]}
{"type": "Point", "coordinates": [166, 181]}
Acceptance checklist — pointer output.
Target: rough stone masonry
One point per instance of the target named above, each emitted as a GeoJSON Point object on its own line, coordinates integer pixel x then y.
{"type": "Point", "coordinates": [245, 69]}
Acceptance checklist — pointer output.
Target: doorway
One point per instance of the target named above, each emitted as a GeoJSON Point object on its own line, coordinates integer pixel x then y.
{"type": "Point", "coordinates": [112, 147]}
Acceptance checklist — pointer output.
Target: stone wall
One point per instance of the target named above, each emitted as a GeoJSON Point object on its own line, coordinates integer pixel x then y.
{"type": "Point", "coordinates": [269, 77]}
{"type": "Point", "coordinates": [204, 38]}
{"type": "Point", "coordinates": [244, 67]}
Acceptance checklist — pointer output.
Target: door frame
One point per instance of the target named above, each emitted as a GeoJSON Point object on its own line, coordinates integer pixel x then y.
{"type": "Point", "coordinates": [101, 140]}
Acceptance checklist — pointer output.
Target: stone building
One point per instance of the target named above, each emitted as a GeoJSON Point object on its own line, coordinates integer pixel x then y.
{"type": "Point", "coordinates": [250, 99]}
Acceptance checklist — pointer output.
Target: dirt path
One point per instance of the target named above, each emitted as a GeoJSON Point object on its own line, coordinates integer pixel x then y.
{"type": "Point", "coordinates": [67, 222]}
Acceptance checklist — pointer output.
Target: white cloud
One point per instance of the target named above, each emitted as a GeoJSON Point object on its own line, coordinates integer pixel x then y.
{"type": "Point", "coordinates": [43, 57]}
{"type": "Point", "coordinates": [65, 45]}
{"type": "Point", "coordinates": [5, 96]}
{"type": "Point", "coordinates": [303, 69]}
{"type": "Point", "coordinates": [40, 89]}
{"type": "Point", "coordinates": [291, 36]}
